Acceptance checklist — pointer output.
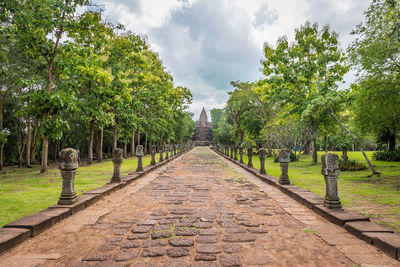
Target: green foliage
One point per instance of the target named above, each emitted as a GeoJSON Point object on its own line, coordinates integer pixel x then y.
{"type": "Point", "coordinates": [374, 55]}
{"type": "Point", "coordinates": [72, 74]}
{"type": "Point", "coordinates": [304, 75]}
{"type": "Point", "coordinates": [393, 155]}
{"type": "Point", "coordinates": [351, 165]}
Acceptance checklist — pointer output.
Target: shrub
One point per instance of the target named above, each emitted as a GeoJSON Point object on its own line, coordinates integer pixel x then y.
{"type": "Point", "coordinates": [387, 155]}
{"type": "Point", "coordinates": [351, 165]}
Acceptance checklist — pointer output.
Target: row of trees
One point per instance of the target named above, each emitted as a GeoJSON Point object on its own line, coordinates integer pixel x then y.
{"type": "Point", "coordinates": [70, 78]}
{"type": "Point", "coordinates": [300, 103]}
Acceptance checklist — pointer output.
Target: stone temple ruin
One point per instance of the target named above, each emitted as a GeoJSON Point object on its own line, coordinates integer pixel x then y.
{"type": "Point", "coordinates": [202, 134]}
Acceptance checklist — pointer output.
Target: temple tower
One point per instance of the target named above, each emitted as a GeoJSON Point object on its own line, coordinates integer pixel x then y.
{"type": "Point", "coordinates": [203, 134]}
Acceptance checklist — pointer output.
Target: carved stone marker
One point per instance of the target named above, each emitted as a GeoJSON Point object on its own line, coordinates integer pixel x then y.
{"type": "Point", "coordinates": [261, 155]}
{"type": "Point", "coordinates": [235, 153]}
{"type": "Point", "coordinates": [117, 160]}
{"type": "Point", "coordinates": [68, 166]}
{"type": "Point", "coordinates": [241, 154]}
{"type": "Point", "coordinates": [284, 159]}
{"type": "Point", "coordinates": [250, 155]}
{"type": "Point", "coordinates": [139, 154]}
{"type": "Point", "coordinates": [175, 147]}
{"type": "Point", "coordinates": [330, 170]}
{"type": "Point", "coordinates": [166, 151]}
{"type": "Point", "coordinates": [160, 149]}
{"type": "Point", "coordinates": [153, 155]}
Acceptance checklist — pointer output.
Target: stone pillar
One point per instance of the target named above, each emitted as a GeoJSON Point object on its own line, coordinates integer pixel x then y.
{"type": "Point", "coordinates": [166, 151]}
{"type": "Point", "coordinates": [241, 155]}
{"type": "Point", "coordinates": [284, 159]}
{"type": "Point", "coordinates": [117, 160]}
{"type": "Point", "coordinates": [175, 150]}
{"type": "Point", "coordinates": [330, 170]}
{"type": "Point", "coordinates": [250, 155]}
{"type": "Point", "coordinates": [235, 153]}
{"type": "Point", "coordinates": [261, 155]}
{"type": "Point", "coordinates": [68, 166]}
{"type": "Point", "coordinates": [139, 155]}
{"type": "Point", "coordinates": [160, 149]}
{"type": "Point", "coordinates": [153, 155]}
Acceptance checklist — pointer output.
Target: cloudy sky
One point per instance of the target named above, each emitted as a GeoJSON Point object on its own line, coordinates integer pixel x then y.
{"type": "Point", "coordinates": [206, 44]}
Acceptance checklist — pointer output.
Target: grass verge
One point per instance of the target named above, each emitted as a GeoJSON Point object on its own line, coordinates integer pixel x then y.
{"type": "Point", "coordinates": [376, 196]}
{"type": "Point", "coordinates": [25, 191]}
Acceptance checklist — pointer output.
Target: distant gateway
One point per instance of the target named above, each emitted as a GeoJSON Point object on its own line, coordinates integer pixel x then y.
{"type": "Point", "coordinates": [202, 134]}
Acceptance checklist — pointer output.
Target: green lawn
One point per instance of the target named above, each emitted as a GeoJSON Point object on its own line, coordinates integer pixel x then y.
{"type": "Point", "coordinates": [24, 191]}
{"type": "Point", "coordinates": [377, 197]}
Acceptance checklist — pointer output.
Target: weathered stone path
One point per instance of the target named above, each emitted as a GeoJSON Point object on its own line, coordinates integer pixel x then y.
{"type": "Point", "coordinates": [199, 210]}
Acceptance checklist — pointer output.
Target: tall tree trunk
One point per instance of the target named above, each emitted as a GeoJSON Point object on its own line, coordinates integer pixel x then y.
{"type": "Point", "coordinates": [314, 142]}
{"type": "Point", "coordinates": [138, 138]}
{"type": "Point", "coordinates": [392, 142]}
{"type": "Point", "coordinates": [145, 143]}
{"type": "Point", "coordinates": [45, 149]}
{"type": "Point", "coordinates": [133, 144]}
{"type": "Point", "coordinates": [115, 137]}
{"type": "Point", "coordinates": [125, 155]}
{"type": "Point", "coordinates": [344, 155]}
{"type": "Point", "coordinates": [1, 156]}
{"type": "Point", "coordinates": [1, 129]}
{"type": "Point", "coordinates": [90, 144]}
{"type": "Point", "coordinates": [45, 143]}
{"type": "Point", "coordinates": [241, 134]}
{"type": "Point", "coordinates": [100, 146]}
{"type": "Point", "coordinates": [306, 148]}
{"type": "Point", "coordinates": [35, 142]}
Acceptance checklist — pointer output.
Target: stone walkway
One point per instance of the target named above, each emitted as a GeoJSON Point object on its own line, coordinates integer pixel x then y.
{"type": "Point", "coordinates": [199, 210]}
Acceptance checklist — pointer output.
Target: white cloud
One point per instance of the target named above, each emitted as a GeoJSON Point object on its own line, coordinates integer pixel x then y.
{"type": "Point", "coordinates": [208, 43]}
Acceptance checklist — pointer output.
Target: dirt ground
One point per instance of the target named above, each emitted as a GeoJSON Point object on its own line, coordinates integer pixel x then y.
{"type": "Point", "coordinates": [198, 210]}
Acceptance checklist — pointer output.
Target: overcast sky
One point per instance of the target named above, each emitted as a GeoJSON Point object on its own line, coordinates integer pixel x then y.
{"type": "Point", "coordinates": [206, 44]}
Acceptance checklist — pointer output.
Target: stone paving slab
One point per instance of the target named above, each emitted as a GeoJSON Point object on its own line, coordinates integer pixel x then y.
{"type": "Point", "coordinates": [10, 237]}
{"type": "Point", "coordinates": [40, 221]}
{"type": "Point", "coordinates": [84, 201]}
{"type": "Point", "coordinates": [198, 210]}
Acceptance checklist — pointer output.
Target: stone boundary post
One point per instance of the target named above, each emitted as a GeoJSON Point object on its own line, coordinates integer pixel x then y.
{"type": "Point", "coordinates": [166, 151]}
{"type": "Point", "coordinates": [153, 155]}
{"type": "Point", "coordinates": [241, 155]}
{"type": "Point", "coordinates": [250, 155]}
{"type": "Point", "coordinates": [117, 160]}
{"type": "Point", "coordinates": [330, 170]}
{"type": "Point", "coordinates": [68, 166]}
{"type": "Point", "coordinates": [261, 155]}
{"type": "Point", "coordinates": [175, 150]}
{"type": "Point", "coordinates": [160, 150]}
{"type": "Point", "coordinates": [284, 159]}
{"type": "Point", "coordinates": [139, 155]}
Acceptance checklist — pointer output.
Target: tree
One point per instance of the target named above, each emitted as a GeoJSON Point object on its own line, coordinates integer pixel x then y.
{"type": "Point", "coordinates": [83, 68]}
{"type": "Point", "coordinates": [303, 72]}
{"type": "Point", "coordinates": [39, 25]}
{"type": "Point", "coordinates": [375, 56]}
